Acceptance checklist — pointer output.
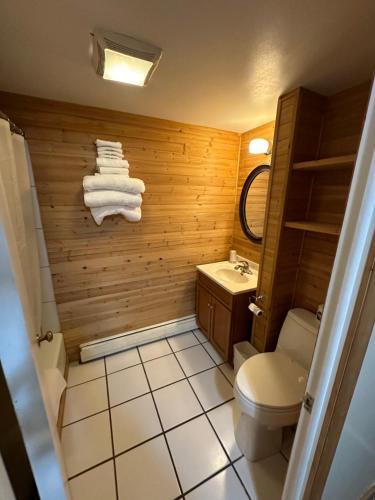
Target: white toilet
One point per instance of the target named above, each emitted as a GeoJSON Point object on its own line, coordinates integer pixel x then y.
{"type": "Point", "coordinates": [269, 387]}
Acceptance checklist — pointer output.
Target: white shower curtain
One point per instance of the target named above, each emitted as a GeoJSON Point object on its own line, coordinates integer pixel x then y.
{"type": "Point", "coordinates": [17, 206]}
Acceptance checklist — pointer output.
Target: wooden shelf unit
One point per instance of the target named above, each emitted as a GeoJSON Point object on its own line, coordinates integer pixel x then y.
{"type": "Point", "coordinates": [323, 164]}
{"type": "Point", "coordinates": [314, 149]}
{"type": "Point", "coordinates": [315, 227]}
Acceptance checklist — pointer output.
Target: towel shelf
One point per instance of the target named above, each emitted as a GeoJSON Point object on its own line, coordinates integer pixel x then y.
{"type": "Point", "coordinates": [334, 163]}
{"type": "Point", "coordinates": [315, 227]}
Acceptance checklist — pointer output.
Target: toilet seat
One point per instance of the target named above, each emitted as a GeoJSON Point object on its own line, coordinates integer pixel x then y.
{"type": "Point", "coordinates": [269, 387]}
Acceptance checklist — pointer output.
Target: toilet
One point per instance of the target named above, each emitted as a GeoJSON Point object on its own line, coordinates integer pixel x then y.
{"type": "Point", "coordinates": [269, 387]}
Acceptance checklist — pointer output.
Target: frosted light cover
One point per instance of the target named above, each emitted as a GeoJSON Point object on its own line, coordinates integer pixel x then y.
{"type": "Point", "coordinates": [125, 69]}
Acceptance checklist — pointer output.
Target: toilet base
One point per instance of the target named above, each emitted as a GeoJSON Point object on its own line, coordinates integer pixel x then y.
{"type": "Point", "coordinates": [257, 441]}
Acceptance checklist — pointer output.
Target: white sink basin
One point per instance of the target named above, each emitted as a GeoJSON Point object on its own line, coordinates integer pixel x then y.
{"type": "Point", "coordinates": [224, 274]}
{"type": "Point", "coordinates": [231, 276]}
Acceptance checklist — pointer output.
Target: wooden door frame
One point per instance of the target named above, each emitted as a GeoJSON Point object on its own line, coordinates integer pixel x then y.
{"type": "Point", "coordinates": [353, 353]}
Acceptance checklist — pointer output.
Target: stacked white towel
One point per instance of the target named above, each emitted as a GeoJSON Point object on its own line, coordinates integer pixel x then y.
{"type": "Point", "coordinates": [111, 191]}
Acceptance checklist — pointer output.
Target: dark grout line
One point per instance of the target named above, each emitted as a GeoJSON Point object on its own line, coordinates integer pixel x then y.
{"type": "Point", "coordinates": [227, 378]}
{"type": "Point", "coordinates": [164, 432]}
{"type": "Point", "coordinates": [207, 479]}
{"type": "Point", "coordinates": [111, 428]}
{"type": "Point", "coordinates": [145, 394]}
{"type": "Point", "coordinates": [162, 428]}
{"type": "Point", "coordinates": [216, 364]}
{"type": "Point", "coordinates": [86, 382]}
{"type": "Point", "coordinates": [84, 418]}
{"type": "Point", "coordinates": [285, 458]}
{"type": "Point", "coordinates": [110, 459]}
{"type": "Point", "coordinates": [214, 430]}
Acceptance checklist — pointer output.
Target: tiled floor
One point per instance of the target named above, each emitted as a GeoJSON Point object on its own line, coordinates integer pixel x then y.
{"type": "Point", "coordinates": [157, 422]}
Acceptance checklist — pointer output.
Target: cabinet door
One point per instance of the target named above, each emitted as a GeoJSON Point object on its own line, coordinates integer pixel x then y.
{"type": "Point", "coordinates": [204, 310]}
{"type": "Point", "coordinates": [220, 328]}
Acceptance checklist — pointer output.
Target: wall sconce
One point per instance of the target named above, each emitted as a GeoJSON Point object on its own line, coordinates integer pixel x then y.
{"type": "Point", "coordinates": [259, 147]}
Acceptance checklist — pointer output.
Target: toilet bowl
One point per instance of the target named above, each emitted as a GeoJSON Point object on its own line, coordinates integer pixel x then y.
{"type": "Point", "coordinates": [269, 387]}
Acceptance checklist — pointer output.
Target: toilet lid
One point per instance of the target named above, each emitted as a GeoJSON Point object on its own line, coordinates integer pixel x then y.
{"type": "Point", "coordinates": [272, 379]}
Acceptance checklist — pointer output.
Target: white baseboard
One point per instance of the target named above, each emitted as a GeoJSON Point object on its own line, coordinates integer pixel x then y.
{"type": "Point", "coordinates": [123, 341]}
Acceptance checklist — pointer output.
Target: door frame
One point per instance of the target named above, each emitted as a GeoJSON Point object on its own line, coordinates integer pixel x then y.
{"type": "Point", "coordinates": [356, 342]}
{"type": "Point", "coordinates": [344, 331]}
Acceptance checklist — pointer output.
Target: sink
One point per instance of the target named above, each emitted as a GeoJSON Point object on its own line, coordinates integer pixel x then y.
{"type": "Point", "coordinates": [230, 275]}
{"type": "Point", "coordinates": [224, 274]}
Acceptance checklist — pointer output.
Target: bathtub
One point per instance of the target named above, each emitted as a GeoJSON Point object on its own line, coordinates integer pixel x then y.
{"type": "Point", "coordinates": [52, 354]}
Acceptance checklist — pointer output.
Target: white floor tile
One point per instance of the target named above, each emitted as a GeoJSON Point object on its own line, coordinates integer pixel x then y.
{"type": "Point", "coordinates": [263, 479]}
{"type": "Point", "coordinates": [196, 452]}
{"type": "Point", "coordinates": [213, 353]}
{"type": "Point", "coordinates": [183, 341]}
{"type": "Point", "coordinates": [212, 388]}
{"type": "Point", "coordinates": [147, 473]}
{"type": "Point", "coordinates": [200, 335]}
{"type": "Point", "coordinates": [85, 399]}
{"type": "Point", "coordinates": [176, 404]}
{"type": "Point", "coordinates": [86, 443]}
{"type": "Point", "coordinates": [154, 350]}
{"type": "Point", "coordinates": [223, 486]}
{"type": "Point", "coordinates": [127, 384]}
{"type": "Point", "coordinates": [228, 372]}
{"type": "Point", "coordinates": [96, 484]}
{"type": "Point", "coordinates": [122, 360]}
{"type": "Point", "coordinates": [79, 373]}
{"type": "Point", "coordinates": [194, 360]}
{"type": "Point", "coordinates": [134, 422]}
{"type": "Point", "coordinates": [224, 419]}
{"type": "Point", "coordinates": [163, 371]}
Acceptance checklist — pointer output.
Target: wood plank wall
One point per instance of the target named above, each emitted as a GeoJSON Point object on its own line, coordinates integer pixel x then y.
{"type": "Point", "coordinates": [122, 276]}
{"type": "Point", "coordinates": [247, 163]}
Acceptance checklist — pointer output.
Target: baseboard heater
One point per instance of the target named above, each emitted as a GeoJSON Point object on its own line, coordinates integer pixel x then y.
{"type": "Point", "coordinates": [123, 341]}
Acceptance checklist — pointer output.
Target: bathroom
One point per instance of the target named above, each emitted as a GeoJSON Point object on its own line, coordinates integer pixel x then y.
{"type": "Point", "coordinates": [161, 343]}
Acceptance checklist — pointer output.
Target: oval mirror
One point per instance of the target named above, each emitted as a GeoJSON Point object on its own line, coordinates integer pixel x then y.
{"type": "Point", "coordinates": [253, 203]}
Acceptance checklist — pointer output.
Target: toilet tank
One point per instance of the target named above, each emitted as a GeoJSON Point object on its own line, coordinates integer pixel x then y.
{"type": "Point", "coordinates": [298, 336]}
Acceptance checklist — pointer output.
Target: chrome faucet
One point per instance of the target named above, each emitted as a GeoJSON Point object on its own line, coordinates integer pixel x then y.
{"type": "Point", "coordinates": [244, 267]}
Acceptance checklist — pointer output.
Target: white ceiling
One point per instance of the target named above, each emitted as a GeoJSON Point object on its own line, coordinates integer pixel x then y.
{"type": "Point", "coordinates": [225, 62]}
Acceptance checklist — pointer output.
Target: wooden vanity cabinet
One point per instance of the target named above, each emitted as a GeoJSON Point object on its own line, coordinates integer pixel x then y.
{"type": "Point", "coordinates": [224, 318]}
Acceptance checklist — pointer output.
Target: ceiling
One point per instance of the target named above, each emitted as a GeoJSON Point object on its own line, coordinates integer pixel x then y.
{"type": "Point", "coordinates": [225, 62]}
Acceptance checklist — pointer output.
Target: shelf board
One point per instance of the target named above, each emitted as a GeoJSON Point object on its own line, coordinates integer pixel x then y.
{"type": "Point", "coordinates": [337, 162]}
{"type": "Point", "coordinates": [316, 227]}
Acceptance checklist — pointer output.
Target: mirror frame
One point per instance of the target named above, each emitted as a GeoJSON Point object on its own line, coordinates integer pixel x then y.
{"type": "Point", "coordinates": [242, 208]}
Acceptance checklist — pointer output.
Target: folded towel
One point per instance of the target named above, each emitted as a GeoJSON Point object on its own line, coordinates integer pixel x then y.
{"type": "Point", "coordinates": [113, 170]}
{"type": "Point", "coordinates": [102, 143]}
{"type": "Point", "coordinates": [109, 149]}
{"type": "Point", "coordinates": [113, 156]}
{"type": "Point", "coordinates": [96, 199]}
{"type": "Point", "coordinates": [110, 162]}
{"type": "Point", "coordinates": [130, 214]}
{"type": "Point", "coordinates": [113, 182]}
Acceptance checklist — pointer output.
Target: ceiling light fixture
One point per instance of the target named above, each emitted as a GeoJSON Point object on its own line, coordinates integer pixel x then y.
{"type": "Point", "coordinates": [259, 147]}
{"type": "Point", "coordinates": [124, 59]}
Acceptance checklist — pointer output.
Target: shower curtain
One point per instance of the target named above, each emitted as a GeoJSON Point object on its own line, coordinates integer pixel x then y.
{"type": "Point", "coordinates": [17, 208]}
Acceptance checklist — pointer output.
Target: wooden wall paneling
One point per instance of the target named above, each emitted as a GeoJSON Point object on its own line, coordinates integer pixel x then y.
{"type": "Point", "coordinates": [247, 163]}
{"type": "Point", "coordinates": [122, 276]}
{"type": "Point", "coordinates": [343, 121]}
{"type": "Point", "coordinates": [284, 133]}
